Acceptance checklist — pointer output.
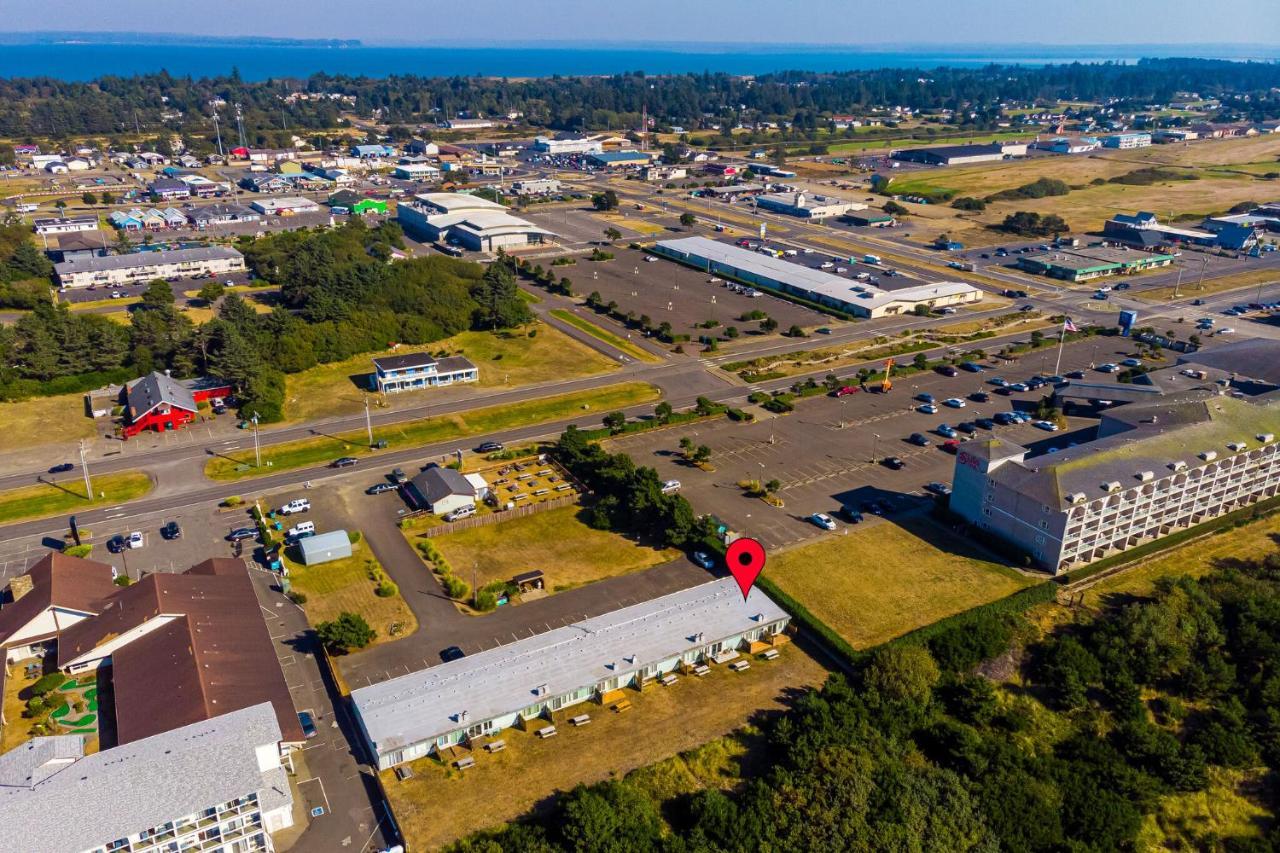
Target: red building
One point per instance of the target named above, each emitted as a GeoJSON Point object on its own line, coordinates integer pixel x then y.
{"type": "Point", "coordinates": [159, 402]}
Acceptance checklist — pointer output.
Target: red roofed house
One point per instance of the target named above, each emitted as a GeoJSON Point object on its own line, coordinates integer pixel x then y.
{"type": "Point", "coordinates": [161, 403]}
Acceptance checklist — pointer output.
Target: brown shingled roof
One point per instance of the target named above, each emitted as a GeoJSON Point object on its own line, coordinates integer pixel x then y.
{"type": "Point", "coordinates": [59, 580]}
{"type": "Point", "coordinates": [213, 656]}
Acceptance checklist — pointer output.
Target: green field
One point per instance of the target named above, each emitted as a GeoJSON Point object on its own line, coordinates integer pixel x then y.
{"type": "Point", "coordinates": [507, 359]}
{"type": "Point", "coordinates": [555, 541]}
{"type": "Point", "coordinates": [591, 404]}
{"type": "Point", "coordinates": [345, 586]}
{"type": "Point", "coordinates": [68, 495]}
{"type": "Point", "coordinates": [867, 144]}
{"type": "Point", "coordinates": [603, 334]}
{"type": "Point", "coordinates": [880, 582]}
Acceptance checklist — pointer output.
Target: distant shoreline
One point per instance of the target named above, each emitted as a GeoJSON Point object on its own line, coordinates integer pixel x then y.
{"type": "Point", "coordinates": [81, 57]}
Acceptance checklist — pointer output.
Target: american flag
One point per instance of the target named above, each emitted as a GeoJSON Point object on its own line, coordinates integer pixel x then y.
{"type": "Point", "coordinates": [1068, 326]}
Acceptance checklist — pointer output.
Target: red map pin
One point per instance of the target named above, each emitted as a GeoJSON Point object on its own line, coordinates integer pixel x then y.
{"type": "Point", "coordinates": [745, 558]}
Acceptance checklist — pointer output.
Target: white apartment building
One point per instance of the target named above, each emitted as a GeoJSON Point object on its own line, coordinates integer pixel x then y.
{"type": "Point", "coordinates": [64, 224]}
{"type": "Point", "coordinates": [216, 786]}
{"type": "Point", "coordinates": [145, 266]}
{"type": "Point", "coordinates": [1154, 469]}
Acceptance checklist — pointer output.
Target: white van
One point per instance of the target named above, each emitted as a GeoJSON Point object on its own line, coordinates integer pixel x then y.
{"type": "Point", "coordinates": [302, 529]}
{"type": "Point", "coordinates": [670, 487]}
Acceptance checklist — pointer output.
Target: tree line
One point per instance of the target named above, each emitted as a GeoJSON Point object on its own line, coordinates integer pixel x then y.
{"type": "Point", "coordinates": [341, 295]}
{"type": "Point", "coordinates": [919, 749]}
{"type": "Point", "coordinates": [119, 105]}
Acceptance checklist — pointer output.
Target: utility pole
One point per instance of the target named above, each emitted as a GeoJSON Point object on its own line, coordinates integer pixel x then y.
{"type": "Point", "coordinates": [1179, 281]}
{"type": "Point", "coordinates": [257, 451]}
{"type": "Point", "coordinates": [84, 466]}
{"type": "Point", "coordinates": [368, 424]}
{"type": "Point", "coordinates": [218, 132]}
{"type": "Point", "coordinates": [1204, 266]}
{"type": "Point", "coordinates": [240, 126]}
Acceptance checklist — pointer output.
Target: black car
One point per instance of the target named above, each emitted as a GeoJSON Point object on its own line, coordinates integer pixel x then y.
{"type": "Point", "coordinates": [918, 439]}
{"type": "Point", "coordinates": [850, 514]}
{"type": "Point", "coordinates": [379, 488]}
{"type": "Point", "coordinates": [64, 467]}
{"type": "Point", "coordinates": [452, 653]}
{"type": "Point", "coordinates": [343, 462]}
{"type": "Point", "coordinates": [398, 476]}
{"type": "Point", "coordinates": [172, 530]}
{"type": "Point", "coordinates": [116, 544]}
{"type": "Point", "coordinates": [308, 724]}
{"type": "Point", "coordinates": [873, 507]}
{"type": "Point", "coordinates": [1075, 374]}
{"type": "Point", "coordinates": [947, 370]}
{"type": "Point", "coordinates": [986, 423]}
{"type": "Point", "coordinates": [892, 462]}
{"type": "Point", "coordinates": [242, 533]}
{"type": "Point", "coordinates": [491, 447]}
{"type": "Point", "coordinates": [979, 396]}
{"type": "Point", "coordinates": [966, 427]}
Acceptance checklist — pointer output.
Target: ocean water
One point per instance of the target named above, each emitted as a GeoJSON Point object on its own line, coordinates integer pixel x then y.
{"type": "Point", "coordinates": [258, 62]}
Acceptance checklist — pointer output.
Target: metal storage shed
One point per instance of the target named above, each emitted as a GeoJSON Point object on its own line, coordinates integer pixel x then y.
{"type": "Point", "coordinates": [325, 547]}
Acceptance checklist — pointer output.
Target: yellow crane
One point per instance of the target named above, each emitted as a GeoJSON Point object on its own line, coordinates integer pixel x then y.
{"type": "Point", "coordinates": [887, 384]}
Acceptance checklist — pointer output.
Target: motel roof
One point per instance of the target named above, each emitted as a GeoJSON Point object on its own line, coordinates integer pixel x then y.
{"type": "Point", "coordinates": [815, 281]}
{"type": "Point", "coordinates": [117, 792]}
{"type": "Point", "coordinates": [61, 581]}
{"type": "Point", "coordinates": [425, 704]}
{"type": "Point", "coordinates": [145, 259]}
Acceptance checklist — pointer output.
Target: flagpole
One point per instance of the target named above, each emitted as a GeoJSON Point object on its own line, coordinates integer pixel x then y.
{"type": "Point", "coordinates": [1062, 338]}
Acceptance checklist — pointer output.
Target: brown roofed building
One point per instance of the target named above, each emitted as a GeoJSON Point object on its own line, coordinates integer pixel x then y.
{"type": "Point", "coordinates": [59, 592]}
{"type": "Point", "coordinates": [183, 648]}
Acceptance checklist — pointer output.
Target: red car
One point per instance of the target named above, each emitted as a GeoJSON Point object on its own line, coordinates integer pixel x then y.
{"type": "Point", "coordinates": [951, 446]}
{"type": "Point", "coordinates": [846, 391]}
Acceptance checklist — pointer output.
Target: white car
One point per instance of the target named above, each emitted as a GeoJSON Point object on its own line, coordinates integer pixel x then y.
{"type": "Point", "coordinates": [295, 506]}
{"type": "Point", "coordinates": [826, 265]}
{"type": "Point", "coordinates": [928, 409]}
{"type": "Point", "coordinates": [954, 402]}
{"type": "Point", "coordinates": [650, 259]}
{"type": "Point", "coordinates": [1047, 426]}
{"type": "Point", "coordinates": [821, 519]}
{"type": "Point", "coordinates": [670, 487]}
{"type": "Point", "coordinates": [136, 540]}
{"type": "Point", "coordinates": [1227, 330]}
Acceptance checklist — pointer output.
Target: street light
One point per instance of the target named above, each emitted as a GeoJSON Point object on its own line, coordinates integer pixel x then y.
{"type": "Point", "coordinates": [875, 445]}
{"type": "Point", "coordinates": [257, 451]}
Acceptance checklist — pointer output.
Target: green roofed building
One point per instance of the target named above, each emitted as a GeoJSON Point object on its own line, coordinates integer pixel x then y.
{"type": "Point", "coordinates": [1094, 262]}
{"type": "Point", "coordinates": [1155, 468]}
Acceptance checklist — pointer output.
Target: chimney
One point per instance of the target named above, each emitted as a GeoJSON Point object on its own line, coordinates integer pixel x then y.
{"type": "Point", "coordinates": [20, 586]}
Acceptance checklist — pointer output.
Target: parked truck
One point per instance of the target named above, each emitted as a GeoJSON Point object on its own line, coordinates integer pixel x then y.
{"type": "Point", "coordinates": [871, 259]}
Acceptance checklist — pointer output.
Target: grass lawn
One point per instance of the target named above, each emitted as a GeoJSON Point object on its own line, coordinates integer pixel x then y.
{"type": "Point", "coordinates": [1230, 807]}
{"type": "Point", "coordinates": [876, 584]}
{"type": "Point", "coordinates": [344, 585]}
{"type": "Point", "coordinates": [555, 541]}
{"type": "Point", "coordinates": [603, 334]}
{"type": "Point", "coordinates": [68, 495]}
{"type": "Point", "coordinates": [1195, 558]}
{"type": "Point", "coordinates": [440, 804]}
{"type": "Point", "coordinates": [44, 420]}
{"type": "Point", "coordinates": [506, 360]}
{"type": "Point", "coordinates": [122, 302]}
{"type": "Point", "coordinates": [16, 728]}
{"type": "Point", "coordinates": [592, 404]}
{"type": "Point", "coordinates": [1189, 290]}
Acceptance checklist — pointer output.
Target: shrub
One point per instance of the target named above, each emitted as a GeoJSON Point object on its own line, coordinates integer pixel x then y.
{"type": "Point", "coordinates": [455, 587]}
{"type": "Point", "coordinates": [35, 706]}
{"type": "Point", "coordinates": [969, 203]}
{"type": "Point", "coordinates": [78, 550]}
{"type": "Point", "coordinates": [386, 589]}
{"type": "Point", "coordinates": [123, 580]}
{"type": "Point", "coordinates": [298, 598]}
{"type": "Point", "coordinates": [234, 500]}
{"type": "Point", "coordinates": [353, 536]}
{"type": "Point", "coordinates": [47, 683]}
{"type": "Point", "coordinates": [349, 631]}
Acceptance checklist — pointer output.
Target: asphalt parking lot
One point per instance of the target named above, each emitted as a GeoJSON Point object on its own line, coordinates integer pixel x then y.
{"type": "Point", "coordinates": [682, 296]}
{"type": "Point", "coordinates": [578, 225]}
{"type": "Point", "coordinates": [822, 452]}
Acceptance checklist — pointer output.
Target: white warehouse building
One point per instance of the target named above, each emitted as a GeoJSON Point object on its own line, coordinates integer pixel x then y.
{"type": "Point", "coordinates": [414, 715]}
{"type": "Point", "coordinates": [473, 222]}
{"type": "Point", "coordinates": [144, 266]}
{"type": "Point", "coordinates": [790, 279]}
{"type": "Point", "coordinates": [807, 205]}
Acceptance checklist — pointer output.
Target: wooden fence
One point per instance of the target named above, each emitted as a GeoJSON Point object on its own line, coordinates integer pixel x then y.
{"type": "Point", "coordinates": [497, 516]}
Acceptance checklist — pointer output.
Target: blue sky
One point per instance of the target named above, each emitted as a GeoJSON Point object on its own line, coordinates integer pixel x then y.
{"type": "Point", "coordinates": [866, 23]}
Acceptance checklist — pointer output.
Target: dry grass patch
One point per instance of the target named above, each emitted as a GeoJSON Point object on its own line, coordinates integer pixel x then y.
{"type": "Point", "coordinates": [875, 584]}
{"type": "Point", "coordinates": [439, 804]}
{"type": "Point", "coordinates": [1195, 558]}
{"type": "Point", "coordinates": [345, 586]}
{"type": "Point", "coordinates": [556, 541]}
{"type": "Point", "coordinates": [506, 360]}
{"type": "Point", "coordinates": [1220, 284]}
{"type": "Point", "coordinates": [44, 420]}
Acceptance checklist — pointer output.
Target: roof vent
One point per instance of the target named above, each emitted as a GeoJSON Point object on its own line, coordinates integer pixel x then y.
{"type": "Point", "coordinates": [1209, 455]}
{"type": "Point", "coordinates": [1178, 465]}
{"type": "Point", "coordinates": [1077, 497]}
{"type": "Point", "coordinates": [1265, 437]}
{"type": "Point", "coordinates": [1236, 446]}
{"type": "Point", "coordinates": [1145, 476]}
{"type": "Point", "coordinates": [540, 690]}
{"type": "Point", "coordinates": [462, 716]}
{"type": "Point", "coordinates": [1113, 486]}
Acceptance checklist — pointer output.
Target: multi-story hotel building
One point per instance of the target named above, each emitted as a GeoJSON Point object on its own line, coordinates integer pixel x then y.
{"type": "Point", "coordinates": [1155, 468]}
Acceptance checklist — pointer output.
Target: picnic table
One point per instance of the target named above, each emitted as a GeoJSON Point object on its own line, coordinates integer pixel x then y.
{"type": "Point", "coordinates": [547, 731]}
{"type": "Point", "coordinates": [769, 654]}
{"type": "Point", "coordinates": [701, 670]}
{"type": "Point", "coordinates": [465, 763]}
{"type": "Point", "coordinates": [619, 707]}
{"type": "Point", "coordinates": [496, 746]}
{"type": "Point", "coordinates": [669, 679]}
{"type": "Point", "coordinates": [739, 665]}
{"type": "Point", "coordinates": [581, 720]}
